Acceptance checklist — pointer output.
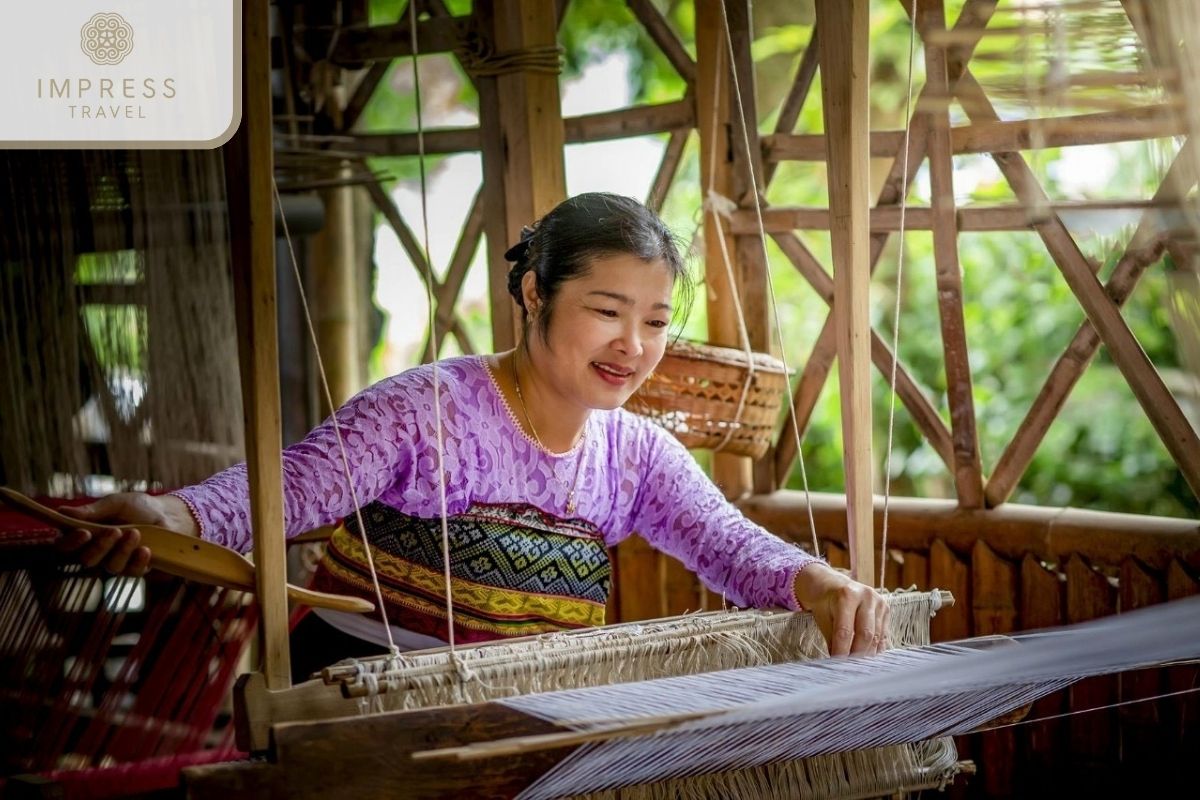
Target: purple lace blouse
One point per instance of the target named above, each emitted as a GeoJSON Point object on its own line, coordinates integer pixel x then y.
{"type": "Point", "coordinates": [633, 477]}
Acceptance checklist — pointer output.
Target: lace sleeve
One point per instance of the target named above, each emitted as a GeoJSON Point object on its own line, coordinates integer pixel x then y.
{"type": "Point", "coordinates": [681, 512]}
{"type": "Point", "coordinates": [375, 427]}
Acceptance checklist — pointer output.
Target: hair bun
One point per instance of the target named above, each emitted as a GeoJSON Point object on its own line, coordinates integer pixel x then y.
{"type": "Point", "coordinates": [517, 251]}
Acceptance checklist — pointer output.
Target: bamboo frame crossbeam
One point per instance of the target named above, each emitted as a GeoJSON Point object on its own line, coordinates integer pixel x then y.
{"type": "Point", "coordinates": [446, 296]}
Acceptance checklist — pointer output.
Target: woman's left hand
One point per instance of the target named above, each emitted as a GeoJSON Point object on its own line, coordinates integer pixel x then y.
{"type": "Point", "coordinates": [852, 616]}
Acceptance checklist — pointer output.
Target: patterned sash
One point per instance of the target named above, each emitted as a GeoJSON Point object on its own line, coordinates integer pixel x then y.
{"type": "Point", "coordinates": [514, 571]}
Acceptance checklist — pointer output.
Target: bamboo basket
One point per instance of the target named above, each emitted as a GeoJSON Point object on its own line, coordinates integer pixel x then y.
{"type": "Point", "coordinates": [696, 393]}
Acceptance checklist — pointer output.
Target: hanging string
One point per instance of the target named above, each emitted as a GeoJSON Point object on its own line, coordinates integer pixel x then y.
{"type": "Point", "coordinates": [762, 236]}
{"type": "Point", "coordinates": [337, 427]}
{"type": "Point", "coordinates": [430, 302]}
{"type": "Point", "coordinates": [887, 468]}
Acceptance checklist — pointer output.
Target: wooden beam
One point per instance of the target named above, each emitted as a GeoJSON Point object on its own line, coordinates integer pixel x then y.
{"type": "Point", "coordinates": [619, 124]}
{"type": "Point", "coordinates": [388, 42]}
{"type": "Point", "coordinates": [844, 26]}
{"type": "Point", "coordinates": [667, 169]}
{"type": "Point", "coordinates": [249, 167]}
{"type": "Point", "coordinates": [967, 469]}
{"type": "Point", "coordinates": [336, 317]}
{"type": "Point", "coordinates": [1160, 406]}
{"type": "Point", "coordinates": [1012, 530]}
{"type": "Point", "coordinates": [447, 295]}
{"type": "Point", "coordinates": [660, 31]}
{"type": "Point", "coordinates": [1145, 122]}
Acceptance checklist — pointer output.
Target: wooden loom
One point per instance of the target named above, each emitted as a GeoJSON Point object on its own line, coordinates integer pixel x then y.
{"type": "Point", "coordinates": [316, 757]}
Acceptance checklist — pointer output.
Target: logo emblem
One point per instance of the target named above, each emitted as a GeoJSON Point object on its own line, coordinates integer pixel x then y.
{"type": "Point", "coordinates": [106, 38]}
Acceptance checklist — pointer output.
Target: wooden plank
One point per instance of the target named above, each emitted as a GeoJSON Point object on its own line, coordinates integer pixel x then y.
{"type": "Point", "coordinates": [893, 565]}
{"type": "Point", "coordinates": [660, 32]}
{"type": "Point", "coordinates": [1092, 739]}
{"type": "Point", "coordinates": [1144, 248]}
{"type": "Point", "coordinates": [967, 469]}
{"type": "Point", "coordinates": [948, 571]}
{"type": "Point", "coordinates": [994, 611]}
{"type": "Point", "coordinates": [1041, 743]}
{"type": "Point", "coordinates": [844, 69]}
{"type": "Point", "coordinates": [1141, 724]}
{"type": "Point", "coordinates": [1173, 428]}
{"type": "Point", "coordinates": [640, 575]}
{"type": "Point", "coordinates": [1107, 127]}
{"type": "Point", "coordinates": [1012, 530]}
{"type": "Point", "coordinates": [249, 165]}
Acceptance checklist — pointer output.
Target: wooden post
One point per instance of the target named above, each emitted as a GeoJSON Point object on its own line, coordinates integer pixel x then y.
{"type": "Point", "coordinates": [520, 119]}
{"type": "Point", "coordinates": [713, 112]}
{"type": "Point", "coordinates": [844, 62]}
{"type": "Point", "coordinates": [249, 166]}
{"type": "Point", "coordinates": [336, 313]}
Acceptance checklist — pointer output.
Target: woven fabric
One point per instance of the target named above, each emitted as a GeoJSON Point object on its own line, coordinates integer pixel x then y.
{"type": "Point", "coordinates": [515, 571]}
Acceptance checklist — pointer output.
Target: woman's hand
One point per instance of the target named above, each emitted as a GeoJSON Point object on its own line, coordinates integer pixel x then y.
{"type": "Point", "coordinates": [852, 616]}
{"type": "Point", "coordinates": [121, 552]}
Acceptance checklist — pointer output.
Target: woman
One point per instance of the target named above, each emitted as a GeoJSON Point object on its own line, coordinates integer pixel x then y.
{"type": "Point", "coordinates": [543, 468]}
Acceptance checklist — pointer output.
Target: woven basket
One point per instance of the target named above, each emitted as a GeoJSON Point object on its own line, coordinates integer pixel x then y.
{"type": "Point", "coordinates": [695, 391]}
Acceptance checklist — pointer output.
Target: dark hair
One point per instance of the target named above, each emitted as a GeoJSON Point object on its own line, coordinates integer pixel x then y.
{"type": "Point", "coordinates": [561, 245]}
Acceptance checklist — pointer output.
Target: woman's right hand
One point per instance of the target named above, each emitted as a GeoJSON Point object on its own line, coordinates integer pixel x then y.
{"type": "Point", "coordinates": [121, 552]}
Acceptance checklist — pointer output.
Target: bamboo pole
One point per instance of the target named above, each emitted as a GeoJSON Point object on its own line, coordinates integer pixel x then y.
{"type": "Point", "coordinates": [844, 26]}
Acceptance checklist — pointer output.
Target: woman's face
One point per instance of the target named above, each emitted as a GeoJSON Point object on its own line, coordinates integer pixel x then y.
{"type": "Point", "coordinates": [607, 331]}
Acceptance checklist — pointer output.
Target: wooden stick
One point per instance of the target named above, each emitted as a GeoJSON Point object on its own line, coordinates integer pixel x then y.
{"type": "Point", "coordinates": [388, 42]}
{"type": "Point", "coordinates": [188, 557]}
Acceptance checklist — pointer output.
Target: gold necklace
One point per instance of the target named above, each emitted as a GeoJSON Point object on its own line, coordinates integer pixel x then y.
{"type": "Point", "coordinates": [538, 439]}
